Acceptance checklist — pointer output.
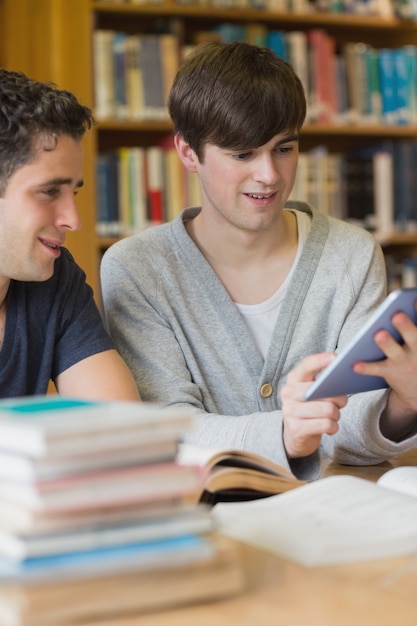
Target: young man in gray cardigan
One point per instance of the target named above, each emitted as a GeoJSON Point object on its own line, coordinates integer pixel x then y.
{"type": "Point", "coordinates": [234, 306]}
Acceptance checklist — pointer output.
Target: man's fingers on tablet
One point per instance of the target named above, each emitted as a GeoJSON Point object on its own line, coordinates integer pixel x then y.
{"type": "Point", "coordinates": [308, 368]}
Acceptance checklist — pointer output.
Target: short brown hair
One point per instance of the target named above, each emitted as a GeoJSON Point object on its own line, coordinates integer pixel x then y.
{"type": "Point", "coordinates": [235, 96]}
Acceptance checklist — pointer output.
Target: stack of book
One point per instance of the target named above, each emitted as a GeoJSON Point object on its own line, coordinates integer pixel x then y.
{"type": "Point", "coordinates": [97, 514]}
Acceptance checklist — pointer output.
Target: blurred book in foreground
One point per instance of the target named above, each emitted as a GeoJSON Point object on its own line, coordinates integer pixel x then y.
{"type": "Point", "coordinates": [91, 492]}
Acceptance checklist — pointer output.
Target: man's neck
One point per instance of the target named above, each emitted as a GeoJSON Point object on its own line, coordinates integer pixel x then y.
{"type": "Point", "coordinates": [251, 266]}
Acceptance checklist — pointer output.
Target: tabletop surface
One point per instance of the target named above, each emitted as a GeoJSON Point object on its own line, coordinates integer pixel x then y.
{"type": "Point", "coordinates": [281, 593]}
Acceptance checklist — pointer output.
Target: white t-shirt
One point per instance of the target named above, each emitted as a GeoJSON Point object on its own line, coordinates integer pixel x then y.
{"type": "Point", "coordinates": [261, 318]}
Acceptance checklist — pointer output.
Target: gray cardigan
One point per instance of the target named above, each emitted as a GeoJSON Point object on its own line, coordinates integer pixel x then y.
{"type": "Point", "coordinates": [186, 343]}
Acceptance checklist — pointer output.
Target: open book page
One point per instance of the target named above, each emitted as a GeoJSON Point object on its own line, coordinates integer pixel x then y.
{"type": "Point", "coordinates": [189, 454]}
{"type": "Point", "coordinates": [335, 520]}
{"type": "Point", "coordinates": [403, 479]}
{"type": "Point", "coordinates": [234, 475]}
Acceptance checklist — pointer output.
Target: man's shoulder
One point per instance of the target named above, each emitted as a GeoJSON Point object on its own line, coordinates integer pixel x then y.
{"type": "Point", "coordinates": [353, 232]}
{"type": "Point", "coordinates": [156, 241]}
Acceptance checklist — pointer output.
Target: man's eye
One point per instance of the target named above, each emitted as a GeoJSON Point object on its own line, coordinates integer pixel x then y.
{"type": "Point", "coordinates": [52, 192]}
{"type": "Point", "coordinates": [242, 156]}
{"type": "Point", "coordinates": [285, 149]}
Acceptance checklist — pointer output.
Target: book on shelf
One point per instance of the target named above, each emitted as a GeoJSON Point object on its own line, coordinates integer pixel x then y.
{"type": "Point", "coordinates": [134, 78]}
{"type": "Point", "coordinates": [125, 204]}
{"type": "Point", "coordinates": [174, 197]}
{"type": "Point", "coordinates": [107, 176]}
{"type": "Point", "coordinates": [257, 34]}
{"type": "Point", "coordinates": [218, 577]}
{"type": "Point", "coordinates": [155, 184]}
{"type": "Point", "coordinates": [231, 475]}
{"type": "Point", "coordinates": [297, 52]}
{"type": "Point", "coordinates": [334, 520]}
{"type": "Point", "coordinates": [411, 60]}
{"type": "Point", "coordinates": [137, 186]}
{"type": "Point", "coordinates": [322, 62]}
{"type": "Point", "coordinates": [370, 187]}
{"type": "Point", "coordinates": [401, 89]}
{"type": "Point", "coordinates": [277, 41]}
{"type": "Point", "coordinates": [404, 181]}
{"type": "Point", "coordinates": [119, 45]}
{"type": "Point", "coordinates": [133, 73]}
{"type": "Point", "coordinates": [153, 77]}
{"type": "Point", "coordinates": [387, 85]}
{"type": "Point", "coordinates": [103, 67]}
{"type": "Point", "coordinates": [363, 83]}
{"type": "Point", "coordinates": [170, 60]}
{"type": "Point", "coordinates": [405, 9]}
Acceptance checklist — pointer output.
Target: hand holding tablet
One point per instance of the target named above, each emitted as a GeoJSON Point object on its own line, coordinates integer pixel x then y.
{"type": "Point", "coordinates": [339, 378]}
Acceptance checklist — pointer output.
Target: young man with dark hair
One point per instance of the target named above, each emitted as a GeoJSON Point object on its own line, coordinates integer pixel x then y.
{"type": "Point", "coordinates": [234, 306]}
{"type": "Point", "coordinates": [50, 327]}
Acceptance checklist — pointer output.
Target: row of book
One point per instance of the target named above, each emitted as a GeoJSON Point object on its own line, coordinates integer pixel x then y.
{"type": "Point", "coordinates": [354, 84]}
{"type": "Point", "coordinates": [139, 187]}
{"type": "Point", "coordinates": [373, 186]}
{"type": "Point", "coordinates": [382, 8]}
{"type": "Point", "coordinates": [133, 73]}
{"type": "Point", "coordinates": [357, 84]}
{"type": "Point", "coordinates": [97, 515]}
{"type": "Point", "coordinates": [401, 271]}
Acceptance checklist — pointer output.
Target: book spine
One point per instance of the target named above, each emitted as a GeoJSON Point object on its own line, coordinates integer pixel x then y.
{"type": "Point", "coordinates": [153, 82]}
{"type": "Point", "coordinates": [134, 78]}
{"type": "Point", "coordinates": [387, 85]}
{"type": "Point", "coordinates": [155, 184]}
{"type": "Point", "coordinates": [103, 66]}
{"type": "Point", "coordinates": [383, 173]}
{"type": "Point", "coordinates": [119, 52]}
{"type": "Point", "coordinates": [108, 195]}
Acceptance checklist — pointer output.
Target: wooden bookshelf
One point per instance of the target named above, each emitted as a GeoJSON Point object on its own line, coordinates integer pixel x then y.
{"type": "Point", "coordinates": [52, 40]}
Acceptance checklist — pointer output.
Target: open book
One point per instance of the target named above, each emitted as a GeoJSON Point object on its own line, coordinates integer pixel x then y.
{"type": "Point", "coordinates": [334, 520]}
{"type": "Point", "coordinates": [235, 475]}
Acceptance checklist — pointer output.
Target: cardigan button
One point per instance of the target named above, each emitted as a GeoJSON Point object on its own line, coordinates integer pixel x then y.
{"type": "Point", "coordinates": [266, 390]}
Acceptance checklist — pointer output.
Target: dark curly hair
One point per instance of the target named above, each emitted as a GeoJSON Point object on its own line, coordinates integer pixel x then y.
{"type": "Point", "coordinates": [236, 96]}
{"type": "Point", "coordinates": [29, 110]}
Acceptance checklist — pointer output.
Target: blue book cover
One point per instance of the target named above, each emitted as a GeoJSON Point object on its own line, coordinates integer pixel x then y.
{"type": "Point", "coordinates": [401, 90]}
{"type": "Point", "coordinates": [387, 85]}
{"type": "Point", "coordinates": [129, 557]}
{"type": "Point", "coordinates": [229, 32]}
{"type": "Point", "coordinates": [276, 40]}
{"type": "Point", "coordinates": [108, 222]}
{"type": "Point", "coordinates": [411, 61]}
{"type": "Point", "coordinates": [32, 406]}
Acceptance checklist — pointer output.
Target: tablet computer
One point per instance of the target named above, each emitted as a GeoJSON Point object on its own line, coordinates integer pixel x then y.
{"type": "Point", "coordinates": [339, 378]}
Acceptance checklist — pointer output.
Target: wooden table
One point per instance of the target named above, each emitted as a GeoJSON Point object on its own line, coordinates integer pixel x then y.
{"type": "Point", "coordinates": [280, 593]}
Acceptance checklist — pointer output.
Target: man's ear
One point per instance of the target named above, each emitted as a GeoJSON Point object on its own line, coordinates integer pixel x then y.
{"type": "Point", "coordinates": [186, 153]}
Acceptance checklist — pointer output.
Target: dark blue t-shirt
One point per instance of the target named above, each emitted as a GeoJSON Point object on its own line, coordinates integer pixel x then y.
{"type": "Point", "coordinates": [50, 326]}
